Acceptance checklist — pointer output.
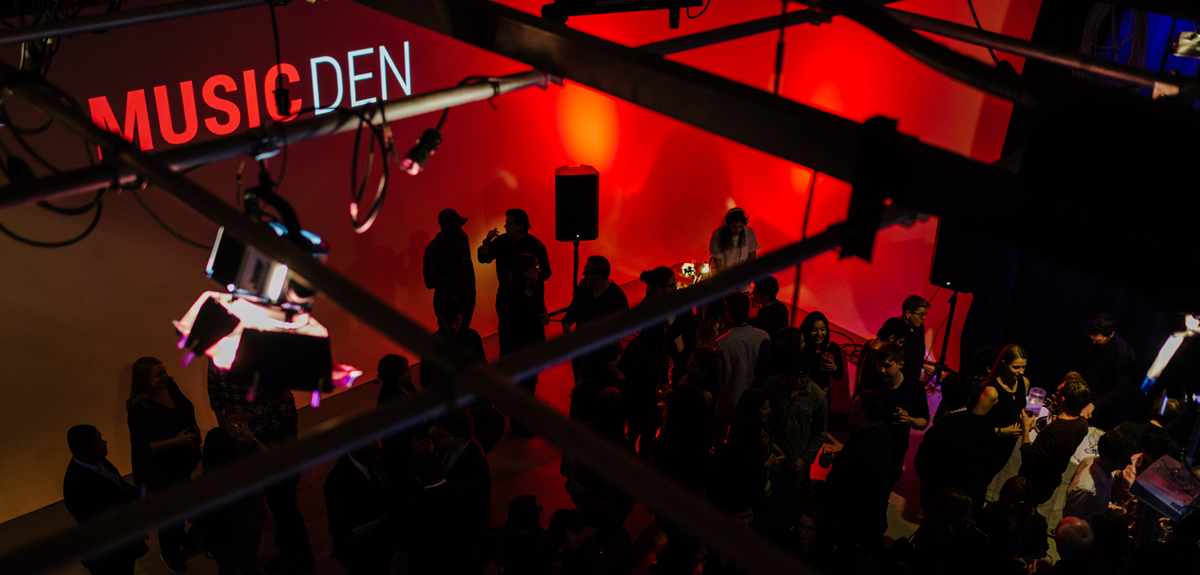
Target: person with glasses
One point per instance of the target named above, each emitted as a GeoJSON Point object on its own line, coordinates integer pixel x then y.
{"type": "Point", "coordinates": [913, 312]}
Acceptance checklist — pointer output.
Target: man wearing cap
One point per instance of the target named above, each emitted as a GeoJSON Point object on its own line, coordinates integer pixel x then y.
{"type": "Point", "coordinates": [448, 269]}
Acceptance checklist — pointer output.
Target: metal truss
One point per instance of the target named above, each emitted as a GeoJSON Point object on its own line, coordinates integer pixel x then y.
{"type": "Point", "coordinates": [102, 22]}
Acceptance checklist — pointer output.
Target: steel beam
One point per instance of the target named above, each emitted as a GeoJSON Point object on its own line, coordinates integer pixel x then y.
{"type": "Point", "coordinates": [778, 126]}
{"type": "Point", "coordinates": [101, 22]}
{"type": "Point", "coordinates": [263, 139]}
{"type": "Point", "coordinates": [624, 472]}
{"type": "Point", "coordinates": [1188, 87]}
{"type": "Point", "coordinates": [1057, 56]}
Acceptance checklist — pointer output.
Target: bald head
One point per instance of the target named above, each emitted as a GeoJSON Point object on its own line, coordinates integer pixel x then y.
{"type": "Point", "coordinates": [1073, 537]}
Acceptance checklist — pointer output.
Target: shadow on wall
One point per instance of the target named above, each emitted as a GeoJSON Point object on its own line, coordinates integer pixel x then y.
{"type": "Point", "coordinates": [678, 207]}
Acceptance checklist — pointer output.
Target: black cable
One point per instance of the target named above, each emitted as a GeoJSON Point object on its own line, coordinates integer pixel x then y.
{"type": "Point", "coordinates": [34, 154]}
{"type": "Point", "coordinates": [971, 5]}
{"type": "Point", "coordinates": [383, 137]}
{"type": "Point", "coordinates": [779, 48]}
{"type": "Point", "coordinates": [73, 211]}
{"type": "Point", "coordinates": [689, 11]}
{"type": "Point", "coordinates": [64, 243]}
{"type": "Point", "coordinates": [164, 225]}
{"type": "Point", "coordinates": [280, 102]}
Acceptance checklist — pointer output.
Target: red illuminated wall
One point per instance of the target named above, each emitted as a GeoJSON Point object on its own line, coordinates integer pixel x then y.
{"type": "Point", "coordinates": [76, 318]}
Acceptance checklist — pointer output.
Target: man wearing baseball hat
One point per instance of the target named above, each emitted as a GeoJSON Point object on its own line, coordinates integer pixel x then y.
{"type": "Point", "coordinates": [447, 267]}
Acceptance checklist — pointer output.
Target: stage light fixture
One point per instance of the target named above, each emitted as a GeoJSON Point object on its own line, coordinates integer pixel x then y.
{"type": "Point", "coordinates": [259, 331]}
{"type": "Point", "coordinates": [414, 161]}
{"type": "Point", "coordinates": [1187, 45]}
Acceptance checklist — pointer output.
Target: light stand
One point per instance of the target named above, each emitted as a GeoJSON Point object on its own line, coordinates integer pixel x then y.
{"type": "Point", "coordinates": [575, 269]}
{"type": "Point", "coordinates": [941, 367]}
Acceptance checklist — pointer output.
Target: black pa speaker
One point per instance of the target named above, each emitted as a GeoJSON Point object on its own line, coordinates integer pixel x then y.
{"type": "Point", "coordinates": [576, 203]}
{"type": "Point", "coordinates": [952, 255]}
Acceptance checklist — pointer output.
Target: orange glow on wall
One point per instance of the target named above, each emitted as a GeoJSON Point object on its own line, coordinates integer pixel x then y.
{"type": "Point", "coordinates": [587, 124]}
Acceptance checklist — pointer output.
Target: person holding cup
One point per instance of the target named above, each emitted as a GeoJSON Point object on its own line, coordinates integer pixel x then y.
{"type": "Point", "coordinates": [824, 357]}
{"type": "Point", "coordinates": [165, 444]}
{"type": "Point", "coordinates": [1044, 460]}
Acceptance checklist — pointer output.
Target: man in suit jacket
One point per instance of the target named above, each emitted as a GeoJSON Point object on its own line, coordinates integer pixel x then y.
{"type": "Point", "coordinates": [92, 486]}
{"type": "Point", "coordinates": [360, 508]}
{"type": "Point", "coordinates": [466, 466]}
{"type": "Point", "coordinates": [445, 534]}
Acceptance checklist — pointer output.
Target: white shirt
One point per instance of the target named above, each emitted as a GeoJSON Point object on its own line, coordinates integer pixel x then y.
{"type": "Point", "coordinates": [738, 253]}
{"type": "Point", "coordinates": [1089, 491]}
{"type": "Point", "coordinates": [742, 346]}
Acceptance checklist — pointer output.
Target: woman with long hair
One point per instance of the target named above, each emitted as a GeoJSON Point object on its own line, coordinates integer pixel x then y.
{"type": "Point", "coordinates": [521, 314]}
{"type": "Point", "coordinates": [164, 442]}
{"type": "Point", "coordinates": [734, 242]}
{"type": "Point", "coordinates": [713, 323]}
{"type": "Point", "coordinates": [1002, 400]}
{"type": "Point", "coordinates": [743, 463]}
{"type": "Point", "coordinates": [824, 357]}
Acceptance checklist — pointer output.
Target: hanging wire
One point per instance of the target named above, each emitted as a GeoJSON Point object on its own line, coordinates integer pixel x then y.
{"type": "Point", "coordinates": [705, 9]}
{"type": "Point", "coordinates": [779, 48]}
{"type": "Point", "coordinates": [387, 147]}
{"type": "Point", "coordinates": [971, 5]}
{"type": "Point", "coordinates": [59, 244]}
{"type": "Point", "coordinates": [164, 225]}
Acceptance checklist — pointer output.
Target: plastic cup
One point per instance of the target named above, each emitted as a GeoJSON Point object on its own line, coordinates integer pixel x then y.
{"type": "Point", "coordinates": [1037, 397]}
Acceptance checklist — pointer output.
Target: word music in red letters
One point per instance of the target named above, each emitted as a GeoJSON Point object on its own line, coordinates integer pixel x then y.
{"type": "Point", "coordinates": [219, 94]}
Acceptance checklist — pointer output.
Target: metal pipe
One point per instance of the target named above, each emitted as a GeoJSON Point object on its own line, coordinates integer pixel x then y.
{"type": "Point", "coordinates": [254, 141]}
{"type": "Point", "coordinates": [1048, 54]}
{"type": "Point", "coordinates": [121, 19]}
{"type": "Point", "coordinates": [61, 549]}
{"type": "Point", "coordinates": [625, 472]}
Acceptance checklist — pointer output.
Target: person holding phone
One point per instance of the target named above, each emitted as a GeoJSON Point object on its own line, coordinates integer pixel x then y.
{"type": "Point", "coordinates": [165, 444]}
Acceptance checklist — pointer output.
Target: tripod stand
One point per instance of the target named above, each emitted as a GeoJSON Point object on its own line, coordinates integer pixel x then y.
{"type": "Point", "coordinates": [940, 369]}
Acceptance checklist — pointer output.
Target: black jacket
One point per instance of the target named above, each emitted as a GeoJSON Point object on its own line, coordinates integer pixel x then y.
{"type": "Point", "coordinates": [88, 494]}
{"type": "Point", "coordinates": [471, 475]}
{"type": "Point", "coordinates": [352, 500]}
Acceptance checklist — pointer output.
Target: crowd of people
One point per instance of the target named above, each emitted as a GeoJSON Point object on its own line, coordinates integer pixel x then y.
{"type": "Point", "coordinates": [732, 405]}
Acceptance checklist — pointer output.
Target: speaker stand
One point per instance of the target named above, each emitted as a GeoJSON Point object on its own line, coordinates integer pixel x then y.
{"type": "Point", "coordinates": [575, 272]}
{"type": "Point", "coordinates": [941, 368]}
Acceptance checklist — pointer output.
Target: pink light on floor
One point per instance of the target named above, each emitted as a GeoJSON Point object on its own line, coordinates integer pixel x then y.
{"type": "Point", "coordinates": [316, 399]}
